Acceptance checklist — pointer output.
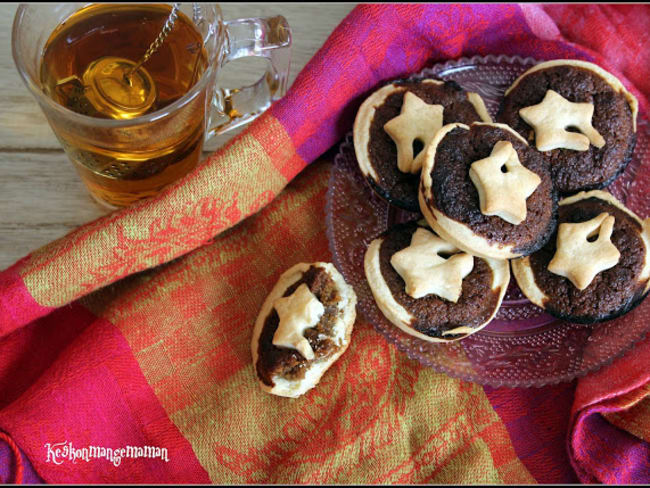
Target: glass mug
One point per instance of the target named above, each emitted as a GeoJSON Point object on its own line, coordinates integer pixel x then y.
{"type": "Point", "coordinates": [124, 160]}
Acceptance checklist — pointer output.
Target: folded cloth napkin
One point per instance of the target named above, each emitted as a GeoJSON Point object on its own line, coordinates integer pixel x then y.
{"type": "Point", "coordinates": [125, 344]}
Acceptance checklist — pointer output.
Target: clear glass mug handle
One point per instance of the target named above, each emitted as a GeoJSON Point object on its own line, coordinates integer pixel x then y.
{"type": "Point", "coordinates": [268, 38]}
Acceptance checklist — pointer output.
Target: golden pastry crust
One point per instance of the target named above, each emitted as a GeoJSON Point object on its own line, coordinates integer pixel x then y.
{"type": "Point", "coordinates": [553, 115]}
{"type": "Point", "coordinates": [499, 193]}
{"type": "Point", "coordinates": [455, 232]}
{"type": "Point", "coordinates": [417, 120]}
{"type": "Point", "coordinates": [645, 224]}
{"type": "Point", "coordinates": [345, 322]}
{"type": "Point", "coordinates": [399, 316]}
{"type": "Point", "coordinates": [578, 259]}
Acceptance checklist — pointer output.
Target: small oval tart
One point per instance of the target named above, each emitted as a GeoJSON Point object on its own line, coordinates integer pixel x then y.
{"type": "Point", "coordinates": [610, 287]}
{"type": "Point", "coordinates": [415, 117]}
{"type": "Point", "coordinates": [453, 190]}
{"type": "Point", "coordinates": [431, 317]}
{"type": "Point", "coordinates": [580, 116]}
{"type": "Point", "coordinates": [285, 370]}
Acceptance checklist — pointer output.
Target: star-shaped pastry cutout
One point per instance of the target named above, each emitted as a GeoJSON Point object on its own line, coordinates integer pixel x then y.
{"type": "Point", "coordinates": [425, 272]}
{"type": "Point", "coordinates": [417, 120]}
{"type": "Point", "coordinates": [299, 311]}
{"type": "Point", "coordinates": [579, 260]}
{"type": "Point", "coordinates": [499, 193]}
{"type": "Point", "coordinates": [553, 115]}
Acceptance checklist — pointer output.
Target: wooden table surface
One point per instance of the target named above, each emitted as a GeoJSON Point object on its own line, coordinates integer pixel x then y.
{"type": "Point", "coordinates": [41, 196]}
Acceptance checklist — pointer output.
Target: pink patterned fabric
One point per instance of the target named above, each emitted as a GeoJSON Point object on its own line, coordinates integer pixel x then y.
{"type": "Point", "coordinates": [17, 305]}
{"type": "Point", "coordinates": [602, 452]}
{"type": "Point", "coordinates": [81, 372]}
{"type": "Point", "coordinates": [618, 33]}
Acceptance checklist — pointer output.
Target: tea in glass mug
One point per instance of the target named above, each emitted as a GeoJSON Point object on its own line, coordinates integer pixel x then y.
{"type": "Point", "coordinates": [130, 89]}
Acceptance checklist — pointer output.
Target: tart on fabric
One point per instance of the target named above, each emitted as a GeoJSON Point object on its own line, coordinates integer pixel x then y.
{"type": "Point", "coordinates": [287, 371]}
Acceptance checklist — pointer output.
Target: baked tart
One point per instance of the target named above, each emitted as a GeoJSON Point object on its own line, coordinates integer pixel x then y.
{"type": "Point", "coordinates": [430, 289]}
{"type": "Point", "coordinates": [396, 123]}
{"type": "Point", "coordinates": [484, 189]}
{"type": "Point", "coordinates": [579, 116]}
{"type": "Point", "coordinates": [595, 267]}
{"type": "Point", "coordinates": [304, 326]}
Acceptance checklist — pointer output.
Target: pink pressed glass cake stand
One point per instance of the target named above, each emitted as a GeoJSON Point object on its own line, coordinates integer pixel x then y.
{"type": "Point", "coordinates": [523, 346]}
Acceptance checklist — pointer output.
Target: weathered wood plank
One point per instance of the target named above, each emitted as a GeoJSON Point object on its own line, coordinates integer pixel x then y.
{"type": "Point", "coordinates": [41, 199]}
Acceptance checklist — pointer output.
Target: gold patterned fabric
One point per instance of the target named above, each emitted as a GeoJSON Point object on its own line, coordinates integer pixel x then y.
{"type": "Point", "coordinates": [376, 416]}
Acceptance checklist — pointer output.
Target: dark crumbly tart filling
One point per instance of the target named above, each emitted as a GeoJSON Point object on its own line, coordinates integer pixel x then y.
{"type": "Point", "coordinates": [455, 195]}
{"type": "Point", "coordinates": [433, 314]}
{"type": "Point", "coordinates": [613, 291]}
{"type": "Point", "coordinates": [289, 363]}
{"type": "Point", "coordinates": [393, 184]}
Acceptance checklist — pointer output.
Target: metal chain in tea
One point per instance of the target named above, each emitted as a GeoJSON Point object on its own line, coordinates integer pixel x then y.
{"type": "Point", "coordinates": [116, 86]}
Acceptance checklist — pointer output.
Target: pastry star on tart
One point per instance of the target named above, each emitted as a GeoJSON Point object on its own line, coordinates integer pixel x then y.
{"type": "Point", "coordinates": [484, 189]}
{"type": "Point", "coordinates": [396, 123]}
{"type": "Point", "coordinates": [595, 267]}
{"type": "Point", "coordinates": [579, 116]}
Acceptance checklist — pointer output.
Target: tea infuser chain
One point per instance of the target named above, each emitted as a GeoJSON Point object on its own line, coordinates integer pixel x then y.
{"type": "Point", "coordinates": [197, 14]}
{"type": "Point", "coordinates": [169, 25]}
{"type": "Point", "coordinates": [119, 87]}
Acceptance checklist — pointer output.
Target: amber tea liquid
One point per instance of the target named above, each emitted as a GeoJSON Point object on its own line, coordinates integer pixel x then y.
{"type": "Point", "coordinates": [138, 161]}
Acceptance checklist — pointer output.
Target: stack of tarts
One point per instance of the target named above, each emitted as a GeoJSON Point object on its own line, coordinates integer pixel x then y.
{"type": "Point", "coordinates": [524, 192]}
